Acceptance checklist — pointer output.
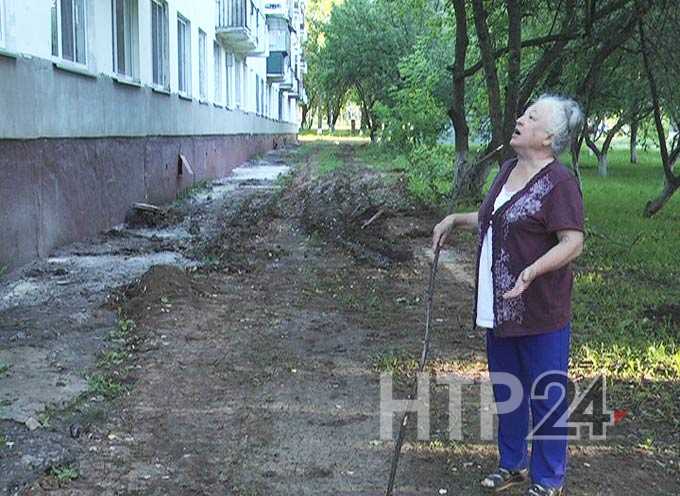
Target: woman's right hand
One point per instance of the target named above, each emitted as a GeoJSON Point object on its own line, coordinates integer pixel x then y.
{"type": "Point", "coordinates": [441, 231]}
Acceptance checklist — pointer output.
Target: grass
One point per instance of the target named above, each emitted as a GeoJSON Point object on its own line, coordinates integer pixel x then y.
{"type": "Point", "coordinates": [193, 190]}
{"type": "Point", "coordinates": [328, 160]}
{"type": "Point", "coordinates": [382, 158]}
{"type": "Point", "coordinates": [4, 368]}
{"type": "Point", "coordinates": [64, 473]}
{"type": "Point", "coordinates": [626, 301]}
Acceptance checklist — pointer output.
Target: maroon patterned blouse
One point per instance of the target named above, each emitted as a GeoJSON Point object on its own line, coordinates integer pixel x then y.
{"type": "Point", "coordinates": [522, 231]}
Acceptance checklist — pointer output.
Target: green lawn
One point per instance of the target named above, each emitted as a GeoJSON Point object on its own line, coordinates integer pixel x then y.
{"type": "Point", "coordinates": [628, 278]}
{"type": "Point", "coordinates": [627, 286]}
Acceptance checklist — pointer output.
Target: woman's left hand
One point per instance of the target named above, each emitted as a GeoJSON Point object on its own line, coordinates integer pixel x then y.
{"type": "Point", "coordinates": [523, 282]}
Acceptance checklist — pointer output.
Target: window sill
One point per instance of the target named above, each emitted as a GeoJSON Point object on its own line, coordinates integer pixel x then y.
{"type": "Point", "coordinates": [7, 53]}
{"type": "Point", "coordinates": [160, 90]}
{"type": "Point", "coordinates": [185, 96]}
{"type": "Point", "coordinates": [128, 82]}
{"type": "Point", "coordinates": [74, 68]}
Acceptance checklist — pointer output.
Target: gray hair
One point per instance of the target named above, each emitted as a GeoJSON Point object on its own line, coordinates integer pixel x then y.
{"type": "Point", "coordinates": [567, 119]}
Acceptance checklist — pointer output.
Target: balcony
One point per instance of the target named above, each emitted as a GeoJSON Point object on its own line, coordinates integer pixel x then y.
{"type": "Point", "coordinates": [278, 9]}
{"type": "Point", "coordinates": [241, 26]}
{"type": "Point", "coordinates": [279, 35]}
{"type": "Point", "coordinates": [278, 65]}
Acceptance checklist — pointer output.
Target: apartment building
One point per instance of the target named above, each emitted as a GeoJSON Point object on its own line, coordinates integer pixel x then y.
{"type": "Point", "coordinates": [104, 103]}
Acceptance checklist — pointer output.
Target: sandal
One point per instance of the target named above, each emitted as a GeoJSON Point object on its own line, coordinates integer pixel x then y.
{"type": "Point", "coordinates": [503, 479]}
{"type": "Point", "coordinates": [538, 490]}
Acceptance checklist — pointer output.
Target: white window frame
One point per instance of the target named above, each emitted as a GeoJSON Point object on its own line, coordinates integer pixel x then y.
{"type": "Point", "coordinates": [161, 57]}
{"type": "Point", "coordinates": [217, 69]}
{"type": "Point", "coordinates": [131, 35]}
{"type": "Point", "coordinates": [229, 79]}
{"type": "Point", "coordinates": [202, 65]}
{"type": "Point", "coordinates": [244, 87]}
{"type": "Point", "coordinates": [3, 24]}
{"type": "Point", "coordinates": [257, 96]}
{"type": "Point", "coordinates": [238, 75]}
{"type": "Point", "coordinates": [58, 50]}
{"type": "Point", "coordinates": [183, 66]}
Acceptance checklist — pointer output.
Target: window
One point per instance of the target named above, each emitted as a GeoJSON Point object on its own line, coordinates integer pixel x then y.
{"type": "Point", "coordinates": [126, 38]}
{"type": "Point", "coordinates": [2, 23]}
{"type": "Point", "coordinates": [229, 79]}
{"type": "Point", "coordinates": [261, 95]}
{"type": "Point", "coordinates": [244, 86]}
{"type": "Point", "coordinates": [159, 38]}
{"type": "Point", "coordinates": [217, 65]}
{"type": "Point", "coordinates": [202, 65]}
{"type": "Point", "coordinates": [238, 73]}
{"type": "Point", "coordinates": [69, 30]}
{"type": "Point", "coordinates": [257, 94]}
{"type": "Point", "coordinates": [183, 55]}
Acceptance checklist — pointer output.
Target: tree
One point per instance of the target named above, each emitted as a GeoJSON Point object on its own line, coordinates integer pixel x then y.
{"type": "Point", "coordinates": [532, 58]}
{"type": "Point", "coordinates": [362, 51]}
{"type": "Point", "coordinates": [663, 90]}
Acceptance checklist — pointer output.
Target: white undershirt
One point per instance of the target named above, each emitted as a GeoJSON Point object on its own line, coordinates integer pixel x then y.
{"type": "Point", "coordinates": [485, 317]}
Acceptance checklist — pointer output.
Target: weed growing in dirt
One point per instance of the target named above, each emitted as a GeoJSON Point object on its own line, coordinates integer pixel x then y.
{"type": "Point", "coordinates": [3, 271]}
{"type": "Point", "coordinates": [104, 385]}
{"type": "Point", "coordinates": [3, 441]}
{"type": "Point", "coordinates": [123, 330]}
{"type": "Point", "coordinates": [284, 181]}
{"type": "Point", "coordinates": [4, 368]}
{"type": "Point", "coordinates": [112, 358]}
{"type": "Point", "coordinates": [64, 473]}
{"type": "Point", "coordinates": [192, 190]}
{"type": "Point", "coordinates": [397, 363]}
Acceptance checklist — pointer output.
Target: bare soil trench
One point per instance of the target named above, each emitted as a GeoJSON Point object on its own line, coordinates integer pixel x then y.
{"type": "Point", "coordinates": [252, 366]}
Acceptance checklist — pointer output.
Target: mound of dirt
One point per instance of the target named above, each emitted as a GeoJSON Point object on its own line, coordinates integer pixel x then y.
{"type": "Point", "coordinates": [350, 206]}
{"type": "Point", "coordinates": [159, 284]}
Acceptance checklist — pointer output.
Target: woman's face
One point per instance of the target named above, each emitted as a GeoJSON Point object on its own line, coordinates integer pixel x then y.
{"type": "Point", "coordinates": [531, 130]}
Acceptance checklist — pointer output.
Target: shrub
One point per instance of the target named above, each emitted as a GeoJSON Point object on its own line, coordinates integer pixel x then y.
{"type": "Point", "coordinates": [430, 173]}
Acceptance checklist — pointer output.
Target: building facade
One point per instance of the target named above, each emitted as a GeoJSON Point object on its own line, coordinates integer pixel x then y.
{"type": "Point", "coordinates": [99, 98]}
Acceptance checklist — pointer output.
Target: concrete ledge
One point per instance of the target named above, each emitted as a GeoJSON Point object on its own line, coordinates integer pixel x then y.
{"type": "Point", "coordinates": [8, 53]}
{"type": "Point", "coordinates": [160, 91]}
{"type": "Point", "coordinates": [75, 69]}
{"type": "Point", "coordinates": [128, 82]}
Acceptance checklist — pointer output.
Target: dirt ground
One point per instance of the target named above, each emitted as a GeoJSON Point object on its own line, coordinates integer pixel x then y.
{"type": "Point", "coordinates": [257, 372]}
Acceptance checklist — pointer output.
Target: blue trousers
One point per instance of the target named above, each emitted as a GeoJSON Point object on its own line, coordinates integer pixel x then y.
{"type": "Point", "coordinates": [528, 358]}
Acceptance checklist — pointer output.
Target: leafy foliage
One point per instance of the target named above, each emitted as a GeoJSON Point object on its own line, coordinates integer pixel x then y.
{"type": "Point", "coordinates": [430, 174]}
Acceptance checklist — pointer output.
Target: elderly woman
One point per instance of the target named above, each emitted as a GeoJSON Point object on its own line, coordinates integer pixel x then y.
{"type": "Point", "coordinates": [531, 228]}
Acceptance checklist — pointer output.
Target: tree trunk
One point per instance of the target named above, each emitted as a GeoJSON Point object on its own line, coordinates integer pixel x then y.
{"type": "Point", "coordinates": [514, 66]}
{"type": "Point", "coordinates": [319, 128]}
{"type": "Point", "coordinates": [653, 206]}
{"type": "Point", "coordinates": [334, 120]}
{"type": "Point", "coordinates": [633, 141]}
{"type": "Point", "coordinates": [457, 110]}
{"type": "Point", "coordinates": [671, 181]}
{"type": "Point", "coordinates": [602, 164]}
{"type": "Point", "coordinates": [491, 76]}
{"type": "Point", "coordinates": [469, 178]}
{"type": "Point", "coordinates": [303, 120]}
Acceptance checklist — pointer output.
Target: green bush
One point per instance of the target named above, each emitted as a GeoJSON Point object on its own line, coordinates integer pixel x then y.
{"type": "Point", "coordinates": [430, 173]}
